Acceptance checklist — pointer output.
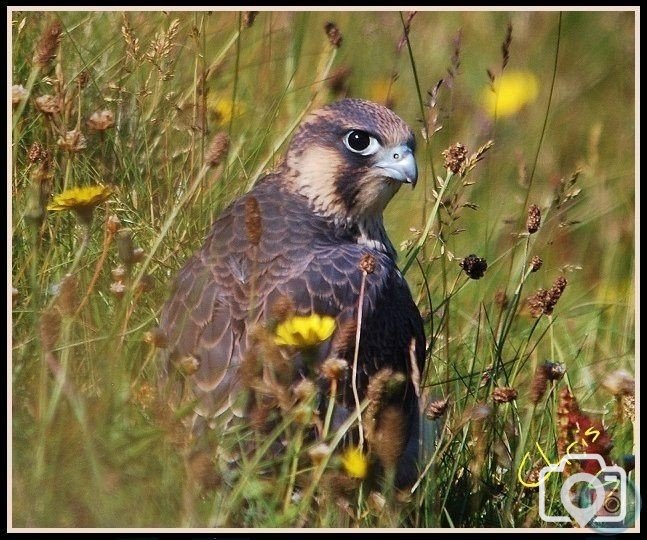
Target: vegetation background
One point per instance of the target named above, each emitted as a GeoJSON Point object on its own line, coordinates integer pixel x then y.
{"type": "Point", "coordinates": [180, 112]}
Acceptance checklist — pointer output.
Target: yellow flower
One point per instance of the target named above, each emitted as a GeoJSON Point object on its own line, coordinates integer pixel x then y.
{"type": "Point", "coordinates": [355, 462]}
{"type": "Point", "coordinates": [82, 200]}
{"type": "Point", "coordinates": [224, 109]}
{"type": "Point", "coordinates": [304, 330]}
{"type": "Point", "coordinates": [512, 90]}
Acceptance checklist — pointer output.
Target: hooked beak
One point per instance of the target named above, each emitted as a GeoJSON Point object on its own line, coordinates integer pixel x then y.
{"type": "Point", "coordinates": [399, 164]}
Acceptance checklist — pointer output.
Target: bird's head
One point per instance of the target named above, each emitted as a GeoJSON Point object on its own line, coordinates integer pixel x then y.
{"type": "Point", "coordinates": [350, 157]}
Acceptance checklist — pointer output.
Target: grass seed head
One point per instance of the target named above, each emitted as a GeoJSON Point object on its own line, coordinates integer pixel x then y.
{"type": "Point", "coordinates": [367, 263]}
{"type": "Point", "coordinates": [535, 263]}
{"type": "Point", "coordinates": [437, 408]}
{"type": "Point", "coordinates": [101, 120]}
{"type": "Point", "coordinates": [18, 93]}
{"type": "Point", "coordinates": [619, 382]}
{"type": "Point", "coordinates": [248, 18]}
{"type": "Point", "coordinates": [334, 368]}
{"type": "Point", "coordinates": [156, 337]}
{"type": "Point", "coordinates": [473, 266]}
{"type": "Point", "coordinates": [504, 394]}
{"type": "Point", "coordinates": [389, 436]}
{"type": "Point", "coordinates": [455, 156]}
{"type": "Point", "coordinates": [533, 221]}
{"type": "Point", "coordinates": [48, 104]}
{"type": "Point", "coordinates": [218, 149]}
{"type": "Point", "coordinates": [47, 46]}
{"type": "Point", "coordinates": [50, 328]}
{"type": "Point", "coordinates": [67, 298]}
{"type": "Point", "coordinates": [253, 221]}
{"type": "Point", "coordinates": [73, 141]}
{"type": "Point", "coordinates": [334, 35]}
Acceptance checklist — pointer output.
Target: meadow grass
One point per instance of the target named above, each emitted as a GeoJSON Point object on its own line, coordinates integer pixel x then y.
{"type": "Point", "coordinates": [180, 113]}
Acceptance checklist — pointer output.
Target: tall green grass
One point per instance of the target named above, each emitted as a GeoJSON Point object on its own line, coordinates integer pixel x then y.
{"type": "Point", "coordinates": [94, 444]}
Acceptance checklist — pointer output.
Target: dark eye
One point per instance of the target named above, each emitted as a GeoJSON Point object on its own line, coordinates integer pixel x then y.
{"type": "Point", "coordinates": [361, 142]}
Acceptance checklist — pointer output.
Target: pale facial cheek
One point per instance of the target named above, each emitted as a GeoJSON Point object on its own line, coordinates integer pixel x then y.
{"type": "Point", "coordinates": [375, 194]}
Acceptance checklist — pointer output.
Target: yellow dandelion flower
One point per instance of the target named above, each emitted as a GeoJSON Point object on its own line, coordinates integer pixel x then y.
{"type": "Point", "coordinates": [512, 91]}
{"type": "Point", "coordinates": [304, 330]}
{"type": "Point", "coordinates": [224, 109]}
{"type": "Point", "coordinates": [82, 200]}
{"type": "Point", "coordinates": [355, 463]}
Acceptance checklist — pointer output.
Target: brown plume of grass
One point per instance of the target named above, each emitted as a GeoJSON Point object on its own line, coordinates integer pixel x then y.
{"type": "Point", "coordinates": [47, 47]}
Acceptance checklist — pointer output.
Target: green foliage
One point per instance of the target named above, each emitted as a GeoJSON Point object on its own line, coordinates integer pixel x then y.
{"type": "Point", "coordinates": [95, 445]}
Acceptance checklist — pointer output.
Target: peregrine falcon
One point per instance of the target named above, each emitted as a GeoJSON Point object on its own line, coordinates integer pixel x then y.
{"type": "Point", "coordinates": [316, 216]}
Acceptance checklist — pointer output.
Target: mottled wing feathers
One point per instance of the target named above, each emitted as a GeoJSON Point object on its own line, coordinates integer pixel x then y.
{"type": "Point", "coordinates": [296, 255]}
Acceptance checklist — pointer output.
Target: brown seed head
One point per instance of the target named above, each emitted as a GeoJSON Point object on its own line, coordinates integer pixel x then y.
{"type": "Point", "coordinates": [253, 221]}
{"type": "Point", "coordinates": [619, 382]}
{"type": "Point", "coordinates": [18, 93]}
{"type": "Point", "coordinates": [217, 149]}
{"type": "Point", "coordinates": [249, 17]}
{"type": "Point", "coordinates": [83, 78]}
{"type": "Point", "coordinates": [405, 30]}
{"type": "Point", "coordinates": [101, 120]}
{"type": "Point", "coordinates": [67, 299]}
{"type": "Point", "coordinates": [389, 436]}
{"type": "Point", "coordinates": [539, 384]}
{"type": "Point", "coordinates": [473, 266]}
{"type": "Point", "coordinates": [118, 288]}
{"type": "Point", "coordinates": [455, 156]}
{"type": "Point", "coordinates": [47, 104]}
{"type": "Point", "coordinates": [113, 223]}
{"type": "Point", "coordinates": [138, 255]}
{"type": "Point", "coordinates": [73, 141]}
{"type": "Point", "coordinates": [375, 394]}
{"type": "Point", "coordinates": [533, 477]}
{"type": "Point", "coordinates": [533, 220]}
{"type": "Point", "coordinates": [282, 308]}
{"type": "Point", "coordinates": [537, 303]}
{"type": "Point", "coordinates": [567, 407]}
{"type": "Point", "coordinates": [189, 364]}
{"type": "Point", "coordinates": [304, 390]}
{"type": "Point", "coordinates": [343, 342]}
{"type": "Point", "coordinates": [119, 273]}
{"type": "Point", "coordinates": [334, 368]}
{"type": "Point", "coordinates": [535, 263]}
{"type": "Point", "coordinates": [251, 368]}
{"type": "Point", "coordinates": [554, 294]}
{"type": "Point", "coordinates": [318, 453]}
{"type": "Point", "coordinates": [504, 394]}
{"type": "Point", "coordinates": [629, 406]}
{"type": "Point", "coordinates": [554, 370]}
{"type": "Point", "coordinates": [36, 153]}
{"type": "Point", "coordinates": [156, 337]}
{"type": "Point", "coordinates": [48, 44]}
{"type": "Point", "coordinates": [367, 263]}
{"type": "Point", "coordinates": [144, 395]}
{"type": "Point", "coordinates": [50, 328]}
{"type": "Point", "coordinates": [334, 35]}
{"type": "Point", "coordinates": [437, 408]}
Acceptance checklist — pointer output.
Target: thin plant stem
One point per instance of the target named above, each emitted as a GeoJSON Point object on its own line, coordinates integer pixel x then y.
{"type": "Point", "coordinates": [358, 332]}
